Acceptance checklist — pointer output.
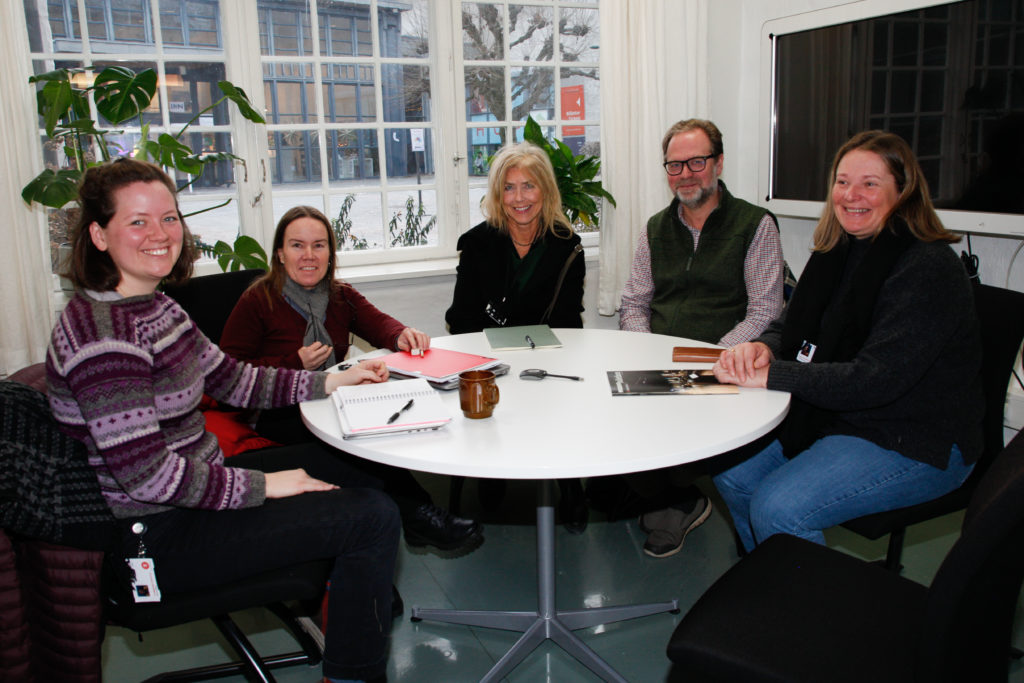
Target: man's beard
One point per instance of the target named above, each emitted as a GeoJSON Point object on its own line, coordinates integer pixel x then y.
{"type": "Point", "coordinates": [700, 200]}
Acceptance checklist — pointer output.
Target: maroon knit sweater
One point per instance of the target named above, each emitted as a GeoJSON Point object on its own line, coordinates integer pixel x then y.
{"type": "Point", "coordinates": [271, 332]}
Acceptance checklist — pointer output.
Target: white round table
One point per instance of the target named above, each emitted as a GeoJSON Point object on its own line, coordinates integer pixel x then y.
{"type": "Point", "coordinates": [558, 428]}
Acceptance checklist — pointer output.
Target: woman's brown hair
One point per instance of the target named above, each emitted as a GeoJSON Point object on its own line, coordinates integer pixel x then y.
{"type": "Point", "coordinates": [913, 205]}
{"type": "Point", "coordinates": [90, 268]}
{"type": "Point", "coordinates": [273, 281]}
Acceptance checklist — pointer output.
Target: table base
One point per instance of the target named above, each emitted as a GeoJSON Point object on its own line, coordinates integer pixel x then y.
{"type": "Point", "coordinates": [547, 623]}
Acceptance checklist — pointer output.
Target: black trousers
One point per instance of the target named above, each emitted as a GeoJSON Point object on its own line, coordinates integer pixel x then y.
{"type": "Point", "coordinates": [357, 526]}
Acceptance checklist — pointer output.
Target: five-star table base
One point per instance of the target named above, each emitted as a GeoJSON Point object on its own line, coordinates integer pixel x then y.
{"type": "Point", "coordinates": [547, 623]}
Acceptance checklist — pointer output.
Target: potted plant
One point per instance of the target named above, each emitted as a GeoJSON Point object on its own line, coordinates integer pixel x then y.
{"type": "Point", "coordinates": [121, 95]}
{"type": "Point", "coordinates": [575, 175]}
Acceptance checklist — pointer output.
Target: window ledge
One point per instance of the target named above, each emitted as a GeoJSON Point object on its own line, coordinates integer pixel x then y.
{"type": "Point", "coordinates": [406, 270]}
{"type": "Point", "coordinates": [380, 272]}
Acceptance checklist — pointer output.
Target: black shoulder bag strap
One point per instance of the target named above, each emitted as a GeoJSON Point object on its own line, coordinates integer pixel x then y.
{"type": "Point", "coordinates": [558, 285]}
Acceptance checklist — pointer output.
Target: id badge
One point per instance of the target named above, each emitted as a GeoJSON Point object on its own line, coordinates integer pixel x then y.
{"type": "Point", "coordinates": [806, 352]}
{"type": "Point", "coordinates": [144, 587]}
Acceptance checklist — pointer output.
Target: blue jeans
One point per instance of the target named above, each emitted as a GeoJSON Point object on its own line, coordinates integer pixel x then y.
{"type": "Point", "coordinates": [837, 479]}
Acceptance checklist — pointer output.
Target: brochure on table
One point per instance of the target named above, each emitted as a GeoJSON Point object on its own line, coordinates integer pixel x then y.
{"type": "Point", "coordinates": [408, 405]}
{"type": "Point", "coordinates": [666, 383]}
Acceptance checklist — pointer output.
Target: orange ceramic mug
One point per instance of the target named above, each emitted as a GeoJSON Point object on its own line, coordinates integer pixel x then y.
{"type": "Point", "coordinates": [478, 393]}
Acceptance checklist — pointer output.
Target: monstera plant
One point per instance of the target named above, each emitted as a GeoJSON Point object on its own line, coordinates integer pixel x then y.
{"type": "Point", "coordinates": [121, 95]}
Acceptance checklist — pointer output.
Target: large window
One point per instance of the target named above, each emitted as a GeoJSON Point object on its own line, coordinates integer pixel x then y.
{"type": "Point", "coordinates": [522, 60]}
{"type": "Point", "coordinates": [382, 114]}
{"type": "Point", "coordinates": [350, 122]}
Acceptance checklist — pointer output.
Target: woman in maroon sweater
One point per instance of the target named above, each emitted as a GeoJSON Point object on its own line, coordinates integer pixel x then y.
{"type": "Point", "coordinates": [300, 316]}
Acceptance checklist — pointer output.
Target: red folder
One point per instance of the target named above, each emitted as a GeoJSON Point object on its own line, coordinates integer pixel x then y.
{"type": "Point", "coordinates": [436, 365]}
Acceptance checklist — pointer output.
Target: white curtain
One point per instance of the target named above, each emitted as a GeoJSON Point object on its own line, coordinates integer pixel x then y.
{"type": "Point", "coordinates": [654, 73]}
{"type": "Point", "coordinates": [25, 280]}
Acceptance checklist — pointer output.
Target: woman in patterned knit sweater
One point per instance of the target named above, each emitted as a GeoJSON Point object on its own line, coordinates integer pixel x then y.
{"type": "Point", "coordinates": [126, 369]}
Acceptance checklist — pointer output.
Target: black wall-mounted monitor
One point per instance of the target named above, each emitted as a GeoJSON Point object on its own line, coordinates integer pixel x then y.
{"type": "Point", "coordinates": [949, 79]}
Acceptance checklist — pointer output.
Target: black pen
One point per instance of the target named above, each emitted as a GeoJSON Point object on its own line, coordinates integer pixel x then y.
{"type": "Point", "coordinates": [402, 410]}
{"type": "Point", "coordinates": [530, 342]}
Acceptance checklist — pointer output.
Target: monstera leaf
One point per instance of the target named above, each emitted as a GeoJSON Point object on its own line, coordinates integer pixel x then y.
{"type": "Point", "coordinates": [52, 189]}
{"type": "Point", "coordinates": [241, 100]}
{"type": "Point", "coordinates": [121, 94]}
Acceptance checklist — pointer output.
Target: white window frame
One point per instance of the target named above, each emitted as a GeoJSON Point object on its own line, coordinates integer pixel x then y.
{"type": "Point", "coordinates": [448, 121]}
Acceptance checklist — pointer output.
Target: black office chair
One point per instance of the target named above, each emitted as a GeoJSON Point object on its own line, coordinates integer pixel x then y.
{"type": "Point", "coordinates": [279, 591]}
{"type": "Point", "coordinates": [45, 475]}
{"type": "Point", "coordinates": [209, 299]}
{"type": "Point", "coordinates": [799, 612]}
{"type": "Point", "coordinates": [1001, 315]}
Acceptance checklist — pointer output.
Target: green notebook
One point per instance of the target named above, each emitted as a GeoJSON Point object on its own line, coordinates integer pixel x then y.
{"type": "Point", "coordinates": [516, 338]}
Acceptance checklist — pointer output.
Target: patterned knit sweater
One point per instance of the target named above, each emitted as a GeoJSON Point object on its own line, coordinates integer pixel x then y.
{"type": "Point", "coordinates": [126, 376]}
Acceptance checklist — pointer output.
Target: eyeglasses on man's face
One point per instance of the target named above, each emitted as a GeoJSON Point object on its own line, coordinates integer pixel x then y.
{"type": "Point", "coordinates": [695, 164]}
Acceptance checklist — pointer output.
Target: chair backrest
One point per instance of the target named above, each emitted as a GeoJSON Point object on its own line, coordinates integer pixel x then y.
{"type": "Point", "coordinates": [209, 299]}
{"type": "Point", "coordinates": [1001, 317]}
{"type": "Point", "coordinates": [48, 490]}
{"type": "Point", "coordinates": [973, 598]}
{"type": "Point", "coordinates": [1002, 329]}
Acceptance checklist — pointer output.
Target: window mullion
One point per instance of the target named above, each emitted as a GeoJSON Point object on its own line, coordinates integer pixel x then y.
{"type": "Point", "coordinates": [318, 98]}
{"type": "Point", "coordinates": [449, 122]}
{"type": "Point", "coordinates": [244, 67]}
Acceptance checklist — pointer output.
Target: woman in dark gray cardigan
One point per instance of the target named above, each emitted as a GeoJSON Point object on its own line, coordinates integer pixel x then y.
{"type": "Point", "coordinates": [880, 350]}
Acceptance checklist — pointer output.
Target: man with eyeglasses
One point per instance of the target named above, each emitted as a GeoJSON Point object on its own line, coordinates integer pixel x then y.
{"type": "Point", "coordinates": [708, 267]}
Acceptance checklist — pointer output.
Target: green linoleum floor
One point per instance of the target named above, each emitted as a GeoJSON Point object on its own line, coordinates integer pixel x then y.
{"type": "Point", "coordinates": [602, 566]}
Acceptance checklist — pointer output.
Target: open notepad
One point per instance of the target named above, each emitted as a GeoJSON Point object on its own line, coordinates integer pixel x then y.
{"type": "Point", "coordinates": [364, 409]}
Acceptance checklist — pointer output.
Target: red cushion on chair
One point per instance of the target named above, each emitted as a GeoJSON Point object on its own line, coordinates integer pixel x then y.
{"type": "Point", "coordinates": [233, 434]}
{"type": "Point", "coordinates": [33, 375]}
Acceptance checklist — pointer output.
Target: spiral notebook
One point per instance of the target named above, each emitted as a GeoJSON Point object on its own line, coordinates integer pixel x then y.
{"type": "Point", "coordinates": [408, 405]}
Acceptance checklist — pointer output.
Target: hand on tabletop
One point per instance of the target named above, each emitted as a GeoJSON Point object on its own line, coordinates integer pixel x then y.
{"type": "Point", "coordinates": [411, 338]}
{"type": "Point", "coordinates": [293, 482]}
{"type": "Point", "coordinates": [745, 365]}
{"type": "Point", "coordinates": [365, 372]}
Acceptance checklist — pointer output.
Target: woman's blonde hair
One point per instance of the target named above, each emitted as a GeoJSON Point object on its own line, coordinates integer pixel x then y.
{"type": "Point", "coordinates": [913, 205]}
{"type": "Point", "coordinates": [534, 162]}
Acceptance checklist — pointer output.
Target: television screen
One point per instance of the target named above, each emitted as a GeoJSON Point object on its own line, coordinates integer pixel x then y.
{"type": "Point", "coordinates": [949, 79]}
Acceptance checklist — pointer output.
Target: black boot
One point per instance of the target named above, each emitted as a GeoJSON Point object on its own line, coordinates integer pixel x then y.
{"type": "Point", "coordinates": [428, 524]}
